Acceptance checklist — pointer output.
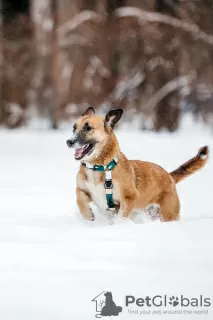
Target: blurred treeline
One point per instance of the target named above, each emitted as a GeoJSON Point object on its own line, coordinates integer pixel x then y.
{"type": "Point", "coordinates": [152, 57]}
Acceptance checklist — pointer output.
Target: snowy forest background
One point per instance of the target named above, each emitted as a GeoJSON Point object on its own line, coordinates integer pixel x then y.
{"type": "Point", "coordinates": [150, 57]}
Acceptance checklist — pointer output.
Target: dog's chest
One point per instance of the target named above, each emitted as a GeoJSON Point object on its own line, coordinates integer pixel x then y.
{"type": "Point", "coordinates": [95, 186]}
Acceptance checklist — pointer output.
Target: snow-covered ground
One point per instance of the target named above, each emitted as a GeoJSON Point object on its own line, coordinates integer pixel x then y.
{"type": "Point", "coordinates": [52, 263]}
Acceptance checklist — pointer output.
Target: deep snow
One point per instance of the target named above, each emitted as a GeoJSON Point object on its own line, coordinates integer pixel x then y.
{"type": "Point", "coordinates": [52, 263]}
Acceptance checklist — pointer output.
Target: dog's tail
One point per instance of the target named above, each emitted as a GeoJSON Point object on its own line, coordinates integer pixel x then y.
{"type": "Point", "coordinates": [191, 166]}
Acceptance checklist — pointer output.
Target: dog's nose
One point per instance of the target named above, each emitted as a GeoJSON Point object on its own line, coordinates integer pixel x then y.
{"type": "Point", "coordinates": [69, 143]}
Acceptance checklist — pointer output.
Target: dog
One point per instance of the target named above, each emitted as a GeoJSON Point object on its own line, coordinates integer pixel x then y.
{"type": "Point", "coordinates": [134, 184]}
{"type": "Point", "coordinates": [110, 308]}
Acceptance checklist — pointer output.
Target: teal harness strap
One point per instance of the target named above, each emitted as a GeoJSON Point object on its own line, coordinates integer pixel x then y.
{"type": "Point", "coordinates": [108, 179]}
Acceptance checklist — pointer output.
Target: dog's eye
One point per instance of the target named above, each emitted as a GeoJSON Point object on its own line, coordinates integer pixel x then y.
{"type": "Point", "coordinates": [87, 127]}
{"type": "Point", "coordinates": [74, 127]}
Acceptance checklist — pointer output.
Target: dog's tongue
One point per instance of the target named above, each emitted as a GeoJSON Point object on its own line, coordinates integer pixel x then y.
{"type": "Point", "coordinates": [79, 152]}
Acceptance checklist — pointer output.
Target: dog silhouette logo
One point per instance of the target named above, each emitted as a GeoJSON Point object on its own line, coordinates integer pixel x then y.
{"type": "Point", "coordinates": [105, 305]}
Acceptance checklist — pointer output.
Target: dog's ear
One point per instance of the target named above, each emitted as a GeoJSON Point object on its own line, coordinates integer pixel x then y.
{"type": "Point", "coordinates": [112, 117]}
{"type": "Point", "coordinates": [89, 112]}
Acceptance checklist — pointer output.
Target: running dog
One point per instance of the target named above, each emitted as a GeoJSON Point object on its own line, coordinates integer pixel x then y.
{"type": "Point", "coordinates": [111, 181]}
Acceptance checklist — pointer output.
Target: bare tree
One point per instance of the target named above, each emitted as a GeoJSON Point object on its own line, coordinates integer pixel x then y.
{"type": "Point", "coordinates": [142, 55]}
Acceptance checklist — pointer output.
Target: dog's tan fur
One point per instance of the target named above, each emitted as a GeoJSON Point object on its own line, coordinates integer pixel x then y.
{"type": "Point", "coordinates": [137, 184]}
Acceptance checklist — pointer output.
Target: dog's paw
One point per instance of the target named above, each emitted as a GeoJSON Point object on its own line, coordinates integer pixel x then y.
{"type": "Point", "coordinates": [109, 219]}
{"type": "Point", "coordinates": [90, 221]}
{"type": "Point", "coordinates": [109, 214]}
{"type": "Point", "coordinates": [88, 218]}
{"type": "Point", "coordinates": [92, 217]}
{"type": "Point", "coordinates": [134, 215]}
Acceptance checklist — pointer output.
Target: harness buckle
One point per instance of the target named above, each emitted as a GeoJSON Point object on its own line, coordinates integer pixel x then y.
{"type": "Point", "coordinates": [108, 184]}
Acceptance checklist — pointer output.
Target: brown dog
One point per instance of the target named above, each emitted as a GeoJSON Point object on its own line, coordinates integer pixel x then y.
{"type": "Point", "coordinates": [136, 184]}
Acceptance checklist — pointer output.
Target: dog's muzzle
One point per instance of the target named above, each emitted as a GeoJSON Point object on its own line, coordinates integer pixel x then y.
{"type": "Point", "coordinates": [71, 143]}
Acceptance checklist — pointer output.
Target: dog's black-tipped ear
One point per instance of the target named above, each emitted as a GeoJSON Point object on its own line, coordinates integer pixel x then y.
{"type": "Point", "coordinates": [89, 112]}
{"type": "Point", "coordinates": [112, 117]}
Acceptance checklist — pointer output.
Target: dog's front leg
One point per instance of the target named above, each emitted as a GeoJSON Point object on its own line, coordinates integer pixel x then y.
{"type": "Point", "coordinates": [83, 200]}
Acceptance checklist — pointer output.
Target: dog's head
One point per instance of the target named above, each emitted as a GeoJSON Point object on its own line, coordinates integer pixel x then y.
{"type": "Point", "coordinates": [108, 296]}
{"type": "Point", "coordinates": [90, 133]}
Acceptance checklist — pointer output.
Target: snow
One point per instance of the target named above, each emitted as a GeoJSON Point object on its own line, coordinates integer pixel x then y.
{"type": "Point", "coordinates": [53, 263]}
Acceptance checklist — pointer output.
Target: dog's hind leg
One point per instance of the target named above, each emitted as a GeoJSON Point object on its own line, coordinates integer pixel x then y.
{"type": "Point", "coordinates": [127, 207]}
{"type": "Point", "coordinates": [169, 206]}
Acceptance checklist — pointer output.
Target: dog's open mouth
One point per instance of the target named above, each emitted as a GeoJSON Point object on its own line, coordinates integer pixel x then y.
{"type": "Point", "coordinates": [83, 151]}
